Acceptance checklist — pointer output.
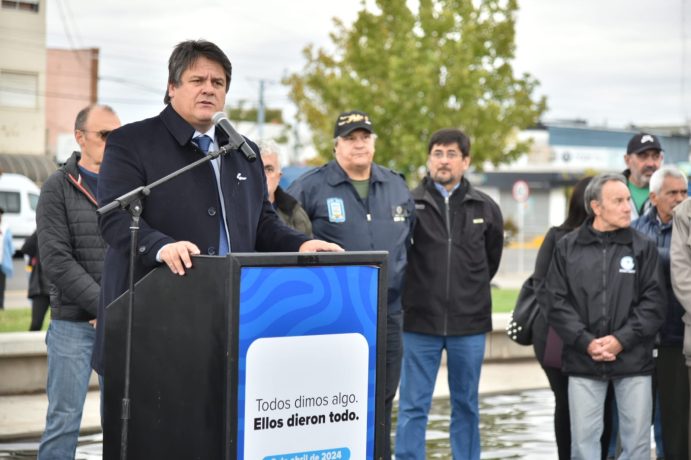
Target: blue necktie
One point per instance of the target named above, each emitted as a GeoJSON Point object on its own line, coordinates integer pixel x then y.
{"type": "Point", "coordinates": [203, 142]}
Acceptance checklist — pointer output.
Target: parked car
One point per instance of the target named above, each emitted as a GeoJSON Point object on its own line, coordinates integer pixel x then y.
{"type": "Point", "coordinates": [18, 197]}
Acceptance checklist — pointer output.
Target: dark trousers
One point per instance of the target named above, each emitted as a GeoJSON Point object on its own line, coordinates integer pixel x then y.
{"type": "Point", "coordinates": [39, 307]}
{"type": "Point", "coordinates": [3, 280]}
{"type": "Point", "coordinates": [394, 328]}
{"type": "Point", "coordinates": [559, 383]}
{"type": "Point", "coordinates": [689, 434]}
{"type": "Point", "coordinates": [673, 388]}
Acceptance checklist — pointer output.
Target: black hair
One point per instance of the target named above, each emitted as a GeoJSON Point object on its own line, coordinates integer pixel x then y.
{"type": "Point", "coordinates": [577, 213]}
{"type": "Point", "coordinates": [186, 54]}
{"type": "Point", "coordinates": [448, 136]}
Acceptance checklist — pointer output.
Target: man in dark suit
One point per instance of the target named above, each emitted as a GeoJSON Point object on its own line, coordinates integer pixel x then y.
{"type": "Point", "coordinates": [212, 209]}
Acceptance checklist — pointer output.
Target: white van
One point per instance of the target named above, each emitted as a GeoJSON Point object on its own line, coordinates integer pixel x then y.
{"type": "Point", "coordinates": [18, 197]}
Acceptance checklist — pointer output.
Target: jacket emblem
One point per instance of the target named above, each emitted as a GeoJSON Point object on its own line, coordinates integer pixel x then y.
{"type": "Point", "coordinates": [627, 265]}
{"type": "Point", "coordinates": [336, 209]}
{"type": "Point", "coordinates": [400, 214]}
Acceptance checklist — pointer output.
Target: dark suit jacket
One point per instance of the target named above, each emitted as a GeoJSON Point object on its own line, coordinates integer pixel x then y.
{"type": "Point", "coordinates": [185, 208]}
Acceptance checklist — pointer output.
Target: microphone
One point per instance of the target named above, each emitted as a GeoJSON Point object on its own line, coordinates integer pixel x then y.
{"type": "Point", "coordinates": [235, 139]}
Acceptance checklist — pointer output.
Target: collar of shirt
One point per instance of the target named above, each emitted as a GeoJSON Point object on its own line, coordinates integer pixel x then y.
{"type": "Point", "coordinates": [445, 193]}
{"type": "Point", "coordinates": [211, 133]}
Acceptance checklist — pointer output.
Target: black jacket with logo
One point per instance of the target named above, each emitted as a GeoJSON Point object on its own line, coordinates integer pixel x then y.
{"type": "Point", "coordinates": [457, 246]}
{"type": "Point", "coordinates": [70, 243]}
{"type": "Point", "coordinates": [602, 284]}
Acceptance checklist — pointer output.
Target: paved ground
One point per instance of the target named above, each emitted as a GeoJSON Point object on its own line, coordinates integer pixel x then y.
{"type": "Point", "coordinates": [23, 416]}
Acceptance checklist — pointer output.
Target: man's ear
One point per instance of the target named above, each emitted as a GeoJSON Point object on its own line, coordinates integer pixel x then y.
{"type": "Point", "coordinates": [79, 137]}
{"type": "Point", "coordinates": [627, 159]}
{"type": "Point", "coordinates": [653, 198]}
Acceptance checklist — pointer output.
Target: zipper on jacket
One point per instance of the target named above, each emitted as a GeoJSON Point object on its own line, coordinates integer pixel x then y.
{"type": "Point", "coordinates": [448, 260]}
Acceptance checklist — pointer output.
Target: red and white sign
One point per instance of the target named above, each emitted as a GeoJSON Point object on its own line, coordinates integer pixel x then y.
{"type": "Point", "coordinates": [520, 191]}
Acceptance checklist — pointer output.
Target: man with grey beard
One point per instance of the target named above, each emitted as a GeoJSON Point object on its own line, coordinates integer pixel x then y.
{"type": "Point", "coordinates": [643, 157]}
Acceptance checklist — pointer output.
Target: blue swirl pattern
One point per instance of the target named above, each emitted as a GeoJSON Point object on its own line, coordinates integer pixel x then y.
{"type": "Point", "coordinates": [298, 301]}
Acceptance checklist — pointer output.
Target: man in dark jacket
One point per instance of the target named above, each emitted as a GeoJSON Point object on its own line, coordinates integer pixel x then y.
{"type": "Point", "coordinates": [362, 206]}
{"type": "Point", "coordinates": [287, 207]}
{"type": "Point", "coordinates": [668, 188]}
{"type": "Point", "coordinates": [214, 209]}
{"type": "Point", "coordinates": [72, 254]}
{"type": "Point", "coordinates": [457, 245]}
{"type": "Point", "coordinates": [607, 302]}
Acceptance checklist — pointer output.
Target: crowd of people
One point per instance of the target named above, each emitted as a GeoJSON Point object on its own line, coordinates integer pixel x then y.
{"type": "Point", "coordinates": [611, 293]}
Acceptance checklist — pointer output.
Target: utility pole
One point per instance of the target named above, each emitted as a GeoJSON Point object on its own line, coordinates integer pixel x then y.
{"type": "Point", "coordinates": [297, 145]}
{"type": "Point", "coordinates": [261, 117]}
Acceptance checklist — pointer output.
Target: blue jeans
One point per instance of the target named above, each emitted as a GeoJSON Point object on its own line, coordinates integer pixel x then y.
{"type": "Point", "coordinates": [70, 345]}
{"type": "Point", "coordinates": [421, 359]}
{"type": "Point", "coordinates": [634, 409]}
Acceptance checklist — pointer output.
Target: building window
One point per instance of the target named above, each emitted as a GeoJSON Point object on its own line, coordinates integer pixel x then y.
{"type": "Point", "coordinates": [22, 5]}
{"type": "Point", "coordinates": [18, 89]}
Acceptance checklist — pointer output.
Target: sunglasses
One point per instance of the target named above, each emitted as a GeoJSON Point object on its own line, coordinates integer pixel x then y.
{"type": "Point", "coordinates": [103, 134]}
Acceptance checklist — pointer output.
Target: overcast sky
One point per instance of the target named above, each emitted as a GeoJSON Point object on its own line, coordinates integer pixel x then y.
{"type": "Point", "coordinates": [610, 62]}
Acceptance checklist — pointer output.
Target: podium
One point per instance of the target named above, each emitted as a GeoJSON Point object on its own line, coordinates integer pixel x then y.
{"type": "Point", "coordinates": [276, 356]}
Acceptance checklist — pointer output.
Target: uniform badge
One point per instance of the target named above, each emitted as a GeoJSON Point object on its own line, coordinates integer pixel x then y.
{"type": "Point", "coordinates": [400, 214]}
{"type": "Point", "coordinates": [336, 209]}
{"type": "Point", "coordinates": [627, 265]}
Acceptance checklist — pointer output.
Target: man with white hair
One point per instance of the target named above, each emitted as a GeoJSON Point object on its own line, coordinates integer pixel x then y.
{"type": "Point", "coordinates": [668, 188]}
{"type": "Point", "coordinates": [287, 207]}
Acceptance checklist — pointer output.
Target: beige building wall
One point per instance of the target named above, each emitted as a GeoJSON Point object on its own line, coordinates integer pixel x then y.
{"type": "Point", "coordinates": [23, 77]}
{"type": "Point", "coordinates": [71, 85]}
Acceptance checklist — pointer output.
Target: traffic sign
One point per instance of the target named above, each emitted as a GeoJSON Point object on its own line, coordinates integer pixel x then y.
{"type": "Point", "coordinates": [520, 191]}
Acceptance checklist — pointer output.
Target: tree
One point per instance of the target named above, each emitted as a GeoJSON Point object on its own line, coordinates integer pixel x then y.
{"type": "Point", "coordinates": [446, 65]}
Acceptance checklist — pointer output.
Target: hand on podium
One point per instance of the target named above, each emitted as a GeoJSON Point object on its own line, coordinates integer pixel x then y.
{"type": "Point", "coordinates": [319, 246]}
{"type": "Point", "coordinates": [177, 256]}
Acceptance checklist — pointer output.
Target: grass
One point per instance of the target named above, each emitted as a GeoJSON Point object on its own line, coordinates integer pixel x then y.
{"type": "Point", "coordinates": [503, 300]}
{"type": "Point", "coordinates": [18, 319]}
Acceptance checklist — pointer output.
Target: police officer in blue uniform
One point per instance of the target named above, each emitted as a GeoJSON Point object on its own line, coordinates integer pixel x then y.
{"type": "Point", "coordinates": [362, 206]}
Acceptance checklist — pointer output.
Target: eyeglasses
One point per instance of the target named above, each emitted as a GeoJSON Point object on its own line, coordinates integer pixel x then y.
{"type": "Point", "coordinates": [438, 155]}
{"type": "Point", "coordinates": [103, 134]}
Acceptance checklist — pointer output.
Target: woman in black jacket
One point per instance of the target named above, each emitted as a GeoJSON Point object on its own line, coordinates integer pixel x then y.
{"type": "Point", "coordinates": [39, 292]}
{"type": "Point", "coordinates": [546, 342]}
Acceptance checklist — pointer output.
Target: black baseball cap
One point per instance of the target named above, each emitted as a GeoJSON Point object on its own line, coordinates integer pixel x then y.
{"type": "Point", "coordinates": [642, 142]}
{"type": "Point", "coordinates": [348, 122]}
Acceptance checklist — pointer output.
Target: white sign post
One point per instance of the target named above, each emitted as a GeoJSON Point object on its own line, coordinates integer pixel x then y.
{"type": "Point", "coordinates": [521, 193]}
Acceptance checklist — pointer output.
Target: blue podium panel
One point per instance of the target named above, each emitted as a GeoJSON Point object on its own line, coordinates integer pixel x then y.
{"type": "Point", "coordinates": [307, 357]}
{"type": "Point", "coordinates": [307, 361]}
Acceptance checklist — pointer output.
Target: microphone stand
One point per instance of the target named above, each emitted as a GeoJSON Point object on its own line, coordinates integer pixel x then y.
{"type": "Point", "coordinates": [132, 203]}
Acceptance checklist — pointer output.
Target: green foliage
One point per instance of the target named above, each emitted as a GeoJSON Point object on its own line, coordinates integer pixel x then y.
{"type": "Point", "coordinates": [446, 65]}
{"type": "Point", "coordinates": [250, 114]}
